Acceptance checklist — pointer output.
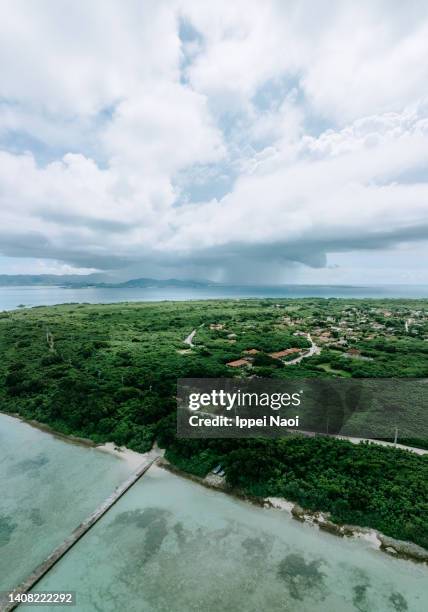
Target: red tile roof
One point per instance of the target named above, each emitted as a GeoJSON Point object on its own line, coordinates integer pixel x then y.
{"type": "Point", "coordinates": [284, 353]}
{"type": "Point", "coordinates": [238, 363]}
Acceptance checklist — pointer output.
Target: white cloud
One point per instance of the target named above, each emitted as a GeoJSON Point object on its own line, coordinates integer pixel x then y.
{"type": "Point", "coordinates": [140, 112]}
{"type": "Point", "coordinates": [350, 59]}
{"type": "Point", "coordinates": [244, 46]}
{"type": "Point", "coordinates": [369, 60]}
{"type": "Point", "coordinates": [74, 58]}
{"type": "Point", "coordinates": [164, 127]}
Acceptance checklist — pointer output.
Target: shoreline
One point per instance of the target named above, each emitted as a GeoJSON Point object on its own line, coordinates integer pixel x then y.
{"type": "Point", "coordinates": [375, 539]}
{"type": "Point", "coordinates": [145, 299]}
{"type": "Point", "coordinates": [132, 458]}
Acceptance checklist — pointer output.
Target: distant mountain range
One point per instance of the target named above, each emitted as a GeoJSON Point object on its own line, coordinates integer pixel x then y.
{"type": "Point", "coordinates": [153, 282]}
{"type": "Point", "coordinates": [92, 280]}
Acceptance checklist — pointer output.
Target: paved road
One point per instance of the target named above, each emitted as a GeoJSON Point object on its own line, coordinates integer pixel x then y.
{"type": "Point", "coordinates": [314, 350]}
{"type": "Point", "coordinates": [190, 337]}
{"type": "Point", "coordinates": [418, 451]}
{"type": "Point", "coordinates": [413, 449]}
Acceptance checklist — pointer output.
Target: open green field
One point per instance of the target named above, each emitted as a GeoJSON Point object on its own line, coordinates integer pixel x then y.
{"type": "Point", "coordinates": [109, 373]}
{"type": "Point", "coordinates": [326, 367]}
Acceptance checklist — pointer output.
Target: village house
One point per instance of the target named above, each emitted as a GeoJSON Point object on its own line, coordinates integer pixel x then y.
{"type": "Point", "coordinates": [339, 343]}
{"type": "Point", "coordinates": [284, 353]}
{"type": "Point", "coordinates": [354, 352]}
{"type": "Point", "coordinates": [239, 363]}
{"type": "Point", "coordinates": [324, 337]}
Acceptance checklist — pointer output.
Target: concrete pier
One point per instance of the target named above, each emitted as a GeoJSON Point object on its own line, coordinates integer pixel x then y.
{"type": "Point", "coordinates": [44, 567]}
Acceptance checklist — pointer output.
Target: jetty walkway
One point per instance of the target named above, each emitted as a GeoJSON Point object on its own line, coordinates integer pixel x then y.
{"type": "Point", "coordinates": [41, 570]}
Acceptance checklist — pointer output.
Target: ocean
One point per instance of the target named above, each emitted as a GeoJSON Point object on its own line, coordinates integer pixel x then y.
{"type": "Point", "coordinates": [14, 297]}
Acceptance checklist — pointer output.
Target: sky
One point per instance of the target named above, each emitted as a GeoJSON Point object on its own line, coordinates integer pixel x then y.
{"type": "Point", "coordinates": [255, 142]}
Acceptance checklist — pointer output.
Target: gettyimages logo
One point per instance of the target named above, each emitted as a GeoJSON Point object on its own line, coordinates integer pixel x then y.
{"type": "Point", "coordinates": [224, 408]}
{"type": "Point", "coordinates": [362, 408]}
{"type": "Point", "coordinates": [230, 400]}
{"type": "Point", "coordinates": [239, 403]}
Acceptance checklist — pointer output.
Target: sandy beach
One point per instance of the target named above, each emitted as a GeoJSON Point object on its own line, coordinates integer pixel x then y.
{"type": "Point", "coordinates": [132, 458]}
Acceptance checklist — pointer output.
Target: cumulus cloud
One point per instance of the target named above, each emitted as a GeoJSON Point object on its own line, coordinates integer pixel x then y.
{"type": "Point", "coordinates": [314, 119]}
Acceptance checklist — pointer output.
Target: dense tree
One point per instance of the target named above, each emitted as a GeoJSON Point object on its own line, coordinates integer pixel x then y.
{"type": "Point", "coordinates": [109, 373]}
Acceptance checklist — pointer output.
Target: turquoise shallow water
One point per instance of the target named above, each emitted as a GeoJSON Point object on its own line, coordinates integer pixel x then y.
{"type": "Point", "coordinates": [173, 546]}
{"type": "Point", "coordinates": [170, 545]}
{"type": "Point", "coordinates": [47, 487]}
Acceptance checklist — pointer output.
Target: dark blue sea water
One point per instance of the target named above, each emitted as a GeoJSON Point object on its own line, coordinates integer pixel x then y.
{"type": "Point", "coordinates": [13, 297]}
